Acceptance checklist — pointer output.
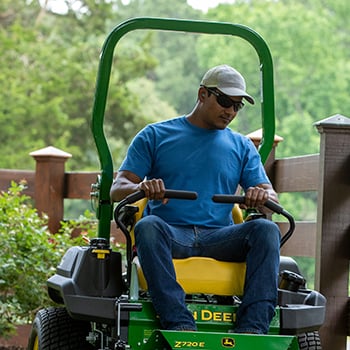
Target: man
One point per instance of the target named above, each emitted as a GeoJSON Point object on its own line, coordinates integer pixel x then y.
{"type": "Point", "coordinates": [198, 152]}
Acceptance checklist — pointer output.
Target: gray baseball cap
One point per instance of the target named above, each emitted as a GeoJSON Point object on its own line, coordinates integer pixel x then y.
{"type": "Point", "coordinates": [228, 80]}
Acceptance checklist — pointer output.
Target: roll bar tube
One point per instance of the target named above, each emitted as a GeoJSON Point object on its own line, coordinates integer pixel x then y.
{"type": "Point", "coordinates": [105, 207]}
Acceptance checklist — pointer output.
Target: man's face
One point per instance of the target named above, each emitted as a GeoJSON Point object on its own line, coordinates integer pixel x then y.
{"type": "Point", "coordinates": [214, 115]}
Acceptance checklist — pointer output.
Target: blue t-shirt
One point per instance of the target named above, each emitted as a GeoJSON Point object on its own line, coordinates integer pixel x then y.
{"type": "Point", "coordinates": [190, 158]}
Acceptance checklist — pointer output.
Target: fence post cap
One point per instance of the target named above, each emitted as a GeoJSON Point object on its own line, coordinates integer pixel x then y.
{"type": "Point", "coordinates": [50, 151]}
{"type": "Point", "coordinates": [335, 121]}
{"type": "Point", "coordinates": [256, 137]}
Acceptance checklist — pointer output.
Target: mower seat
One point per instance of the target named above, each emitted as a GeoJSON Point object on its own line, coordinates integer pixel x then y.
{"type": "Point", "coordinates": [201, 275]}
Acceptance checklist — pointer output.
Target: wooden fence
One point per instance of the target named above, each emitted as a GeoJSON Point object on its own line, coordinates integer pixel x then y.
{"type": "Point", "coordinates": [327, 239]}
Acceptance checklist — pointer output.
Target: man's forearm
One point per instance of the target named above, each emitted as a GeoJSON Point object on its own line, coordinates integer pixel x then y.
{"type": "Point", "coordinates": [122, 187]}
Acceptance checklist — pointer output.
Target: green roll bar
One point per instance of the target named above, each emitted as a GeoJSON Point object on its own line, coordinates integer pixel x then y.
{"type": "Point", "coordinates": [102, 187]}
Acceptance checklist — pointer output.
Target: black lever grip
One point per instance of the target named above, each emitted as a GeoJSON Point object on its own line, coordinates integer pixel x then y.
{"type": "Point", "coordinates": [134, 197]}
{"type": "Point", "coordinates": [181, 194]}
{"type": "Point", "coordinates": [228, 198]}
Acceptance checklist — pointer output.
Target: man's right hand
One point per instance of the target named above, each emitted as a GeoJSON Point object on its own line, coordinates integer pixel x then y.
{"type": "Point", "coordinates": [127, 182]}
{"type": "Point", "coordinates": [154, 189]}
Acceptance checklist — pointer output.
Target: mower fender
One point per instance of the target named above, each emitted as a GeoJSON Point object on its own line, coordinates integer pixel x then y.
{"type": "Point", "coordinates": [88, 284]}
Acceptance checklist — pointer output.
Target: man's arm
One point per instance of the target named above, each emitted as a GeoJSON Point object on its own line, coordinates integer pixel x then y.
{"type": "Point", "coordinates": [127, 182]}
{"type": "Point", "coordinates": [124, 184]}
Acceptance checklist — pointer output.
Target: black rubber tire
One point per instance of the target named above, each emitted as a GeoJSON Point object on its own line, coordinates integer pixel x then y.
{"type": "Point", "coordinates": [54, 329]}
{"type": "Point", "coordinates": [309, 341]}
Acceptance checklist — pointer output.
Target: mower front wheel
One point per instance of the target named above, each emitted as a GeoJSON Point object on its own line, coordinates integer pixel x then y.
{"type": "Point", "coordinates": [54, 329]}
{"type": "Point", "coordinates": [309, 341]}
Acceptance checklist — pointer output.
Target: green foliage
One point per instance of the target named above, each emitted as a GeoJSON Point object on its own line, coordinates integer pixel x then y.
{"type": "Point", "coordinates": [29, 255]}
{"type": "Point", "coordinates": [40, 105]}
{"type": "Point", "coordinates": [307, 268]}
{"type": "Point", "coordinates": [49, 64]}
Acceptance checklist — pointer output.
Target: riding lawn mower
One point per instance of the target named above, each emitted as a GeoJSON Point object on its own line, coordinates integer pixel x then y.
{"type": "Point", "coordinates": [104, 306]}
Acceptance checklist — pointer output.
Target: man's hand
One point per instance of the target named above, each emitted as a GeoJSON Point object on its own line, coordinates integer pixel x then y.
{"type": "Point", "coordinates": [255, 197]}
{"type": "Point", "coordinates": [127, 182]}
{"type": "Point", "coordinates": [154, 189]}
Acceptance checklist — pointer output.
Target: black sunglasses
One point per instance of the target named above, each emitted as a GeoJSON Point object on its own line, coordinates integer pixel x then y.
{"type": "Point", "coordinates": [225, 101]}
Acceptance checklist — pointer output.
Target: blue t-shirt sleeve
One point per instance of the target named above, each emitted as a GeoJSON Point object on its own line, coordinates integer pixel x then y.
{"type": "Point", "coordinates": [253, 172]}
{"type": "Point", "coordinates": [139, 156]}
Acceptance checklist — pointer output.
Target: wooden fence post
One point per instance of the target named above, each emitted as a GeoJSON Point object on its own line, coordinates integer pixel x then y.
{"type": "Point", "coordinates": [50, 184]}
{"type": "Point", "coordinates": [256, 137]}
{"type": "Point", "coordinates": [333, 228]}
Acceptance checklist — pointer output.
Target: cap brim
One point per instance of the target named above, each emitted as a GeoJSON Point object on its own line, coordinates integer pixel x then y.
{"type": "Point", "coordinates": [230, 91]}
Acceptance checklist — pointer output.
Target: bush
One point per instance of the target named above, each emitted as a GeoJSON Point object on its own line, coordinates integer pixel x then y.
{"type": "Point", "coordinates": [29, 255]}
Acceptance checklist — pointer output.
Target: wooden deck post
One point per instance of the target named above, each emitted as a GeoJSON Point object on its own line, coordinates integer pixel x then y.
{"type": "Point", "coordinates": [333, 228]}
{"type": "Point", "coordinates": [49, 184]}
{"type": "Point", "coordinates": [256, 137]}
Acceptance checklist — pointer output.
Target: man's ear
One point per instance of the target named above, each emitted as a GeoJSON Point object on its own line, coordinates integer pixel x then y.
{"type": "Point", "coordinates": [201, 94]}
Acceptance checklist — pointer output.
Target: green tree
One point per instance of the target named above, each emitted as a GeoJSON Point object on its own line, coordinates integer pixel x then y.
{"type": "Point", "coordinates": [50, 65]}
{"type": "Point", "coordinates": [177, 71]}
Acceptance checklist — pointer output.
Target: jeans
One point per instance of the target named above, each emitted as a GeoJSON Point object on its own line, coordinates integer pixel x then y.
{"type": "Point", "coordinates": [256, 242]}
